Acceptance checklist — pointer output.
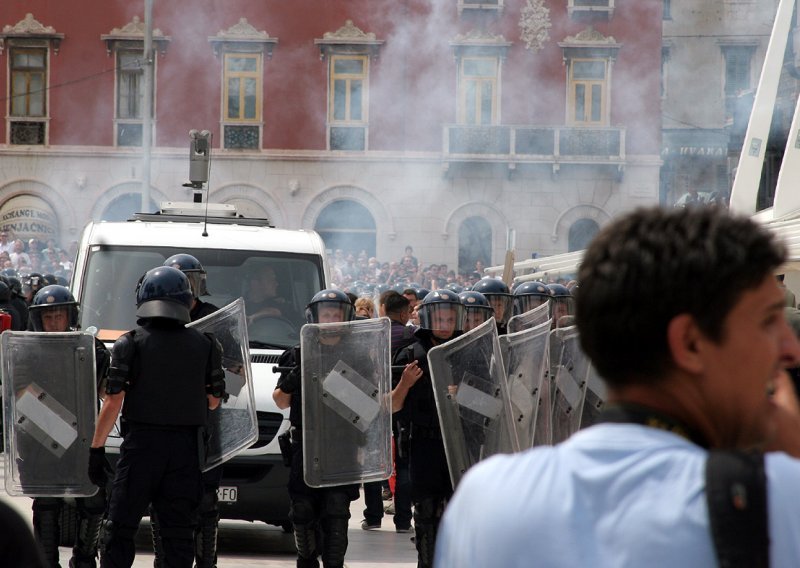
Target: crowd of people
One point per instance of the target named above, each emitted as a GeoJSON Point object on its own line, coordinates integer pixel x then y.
{"type": "Point", "coordinates": [360, 273]}
{"type": "Point", "coordinates": [35, 256]}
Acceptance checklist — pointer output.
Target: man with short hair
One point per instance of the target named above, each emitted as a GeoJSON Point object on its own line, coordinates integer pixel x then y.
{"type": "Point", "coordinates": [681, 314]}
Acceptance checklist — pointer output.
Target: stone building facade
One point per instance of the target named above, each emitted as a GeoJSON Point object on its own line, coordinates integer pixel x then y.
{"type": "Point", "coordinates": [442, 125]}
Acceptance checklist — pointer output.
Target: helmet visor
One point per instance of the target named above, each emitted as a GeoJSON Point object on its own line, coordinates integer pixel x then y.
{"type": "Point", "coordinates": [443, 318]}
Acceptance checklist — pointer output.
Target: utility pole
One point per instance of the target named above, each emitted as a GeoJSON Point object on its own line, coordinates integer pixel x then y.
{"type": "Point", "coordinates": [147, 106]}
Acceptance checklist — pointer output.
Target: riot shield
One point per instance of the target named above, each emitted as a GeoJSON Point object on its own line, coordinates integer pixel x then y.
{"type": "Point", "coordinates": [570, 375]}
{"type": "Point", "coordinates": [595, 399]}
{"type": "Point", "coordinates": [470, 388]}
{"type": "Point", "coordinates": [233, 426]}
{"type": "Point", "coordinates": [529, 319]}
{"type": "Point", "coordinates": [346, 401]}
{"type": "Point", "coordinates": [49, 411]}
{"type": "Point", "coordinates": [525, 359]}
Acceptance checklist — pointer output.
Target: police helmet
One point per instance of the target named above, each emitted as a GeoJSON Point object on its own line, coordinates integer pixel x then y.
{"type": "Point", "coordinates": [457, 288]}
{"type": "Point", "coordinates": [5, 292]}
{"type": "Point", "coordinates": [432, 311]}
{"type": "Point", "coordinates": [562, 303]}
{"type": "Point", "coordinates": [164, 292]}
{"type": "Point", "coordinates": [53, 296]}
{"type": "Point", "coordinates": [61, 280]}
{"type": "Point", "coordinates": [49, 279]}
{"type": "Point", "coordinates": [9, 272]}
{"type": "Point", "coordinates": [529, 295]}
{"type": "Point", "coordinates": [498, 295]}
{"type": "Point", "coordinates": [193, 270]}
{"type": "Point", "coordinates": [477, 309]}
{"type": "Point", "coordinates": [330, 298]}
{"type": "Point", "coordinates": [421, 293]}
{"type": "Point", "coordinates": [15, 285]}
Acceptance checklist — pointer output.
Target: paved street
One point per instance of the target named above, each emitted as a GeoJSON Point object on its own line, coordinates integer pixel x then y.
{"type": "Point", "coordinates": [255, 544]}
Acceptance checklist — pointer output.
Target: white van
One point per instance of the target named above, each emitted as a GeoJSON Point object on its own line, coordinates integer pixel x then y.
{"type": "Point", "coordinates": [114, 255]}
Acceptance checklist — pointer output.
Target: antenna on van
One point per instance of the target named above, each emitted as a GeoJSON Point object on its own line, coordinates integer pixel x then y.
{"type": "Point", "coordinates": [199, 167]}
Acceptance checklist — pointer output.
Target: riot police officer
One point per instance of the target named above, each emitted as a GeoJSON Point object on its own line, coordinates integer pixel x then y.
{"type": "Point", "coordinates": [530, 295]}
{"type": "Point", "coordinates": [441, 315]}
{"type": "Point", "coordinates": [320, 515]}
{"type": "Point", "coordinates": [6, 306]}
{"type": "Point", "coordinates": [476, 309]}
{"type": "Point", "coordinates": [499, 297]}
{"type": "Point", "coordinates": [205, 536]}
{"type": "Point", "coordinates": [562, 305]}
{"type": "Point", "coordinates": [196, 274]}
{"type": "Point", "coordinates": [169, 376]}
{"type": "Point", "coordinates": [54, 309]}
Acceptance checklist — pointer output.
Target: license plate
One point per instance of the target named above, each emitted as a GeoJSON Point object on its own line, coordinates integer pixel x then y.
{"type": "Point", "coordinates": [228, 494]}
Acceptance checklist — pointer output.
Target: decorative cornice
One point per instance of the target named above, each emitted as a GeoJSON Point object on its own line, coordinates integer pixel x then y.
{"type": "Point", "coordinates": [30, 28]}
{"type": "Point", "coordinates": [243, 34]}
{"type": "Point", "coordinates": [134, 31]}
{"type": "Point", "coordinates": [350, 32]}
{"type": "Point", "coordinates": [241, 30]}
{"type": "Point", "coordinates": [349, 38]}
{"type": "Point", "coordinates": [481, 42]}
{"type": "Point", "coordinates": [481, 38]}
{"type": "Point", "coordinates": [589, 36]}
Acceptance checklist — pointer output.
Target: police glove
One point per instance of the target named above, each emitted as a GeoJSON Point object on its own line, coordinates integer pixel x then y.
{"type": "Point", "coordinates": [292, 382]}
{"type": "Point", "coordinates": [99, 469]}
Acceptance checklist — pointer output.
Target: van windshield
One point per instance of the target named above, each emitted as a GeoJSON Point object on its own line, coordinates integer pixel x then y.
{"type": "Point", "coordinates": [276, 288]}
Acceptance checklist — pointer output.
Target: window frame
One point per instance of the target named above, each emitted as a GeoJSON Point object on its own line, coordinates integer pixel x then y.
{"type": "Point", "coordinates": [464, 83]}
{"type": "Point", "coordinates": [589, 84]}
{"type": "Point", "coordinates": [121, 122]}
{"type": "Point", "coordinates": [27, 119]}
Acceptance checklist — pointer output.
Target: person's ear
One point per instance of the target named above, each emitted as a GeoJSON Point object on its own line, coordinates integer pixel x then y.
{"type": "Point", "coordinates": [685, 340]}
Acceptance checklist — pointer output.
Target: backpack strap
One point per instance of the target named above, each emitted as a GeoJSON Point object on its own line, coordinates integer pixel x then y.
{"type": "Point", "coordinates": [736, 493]}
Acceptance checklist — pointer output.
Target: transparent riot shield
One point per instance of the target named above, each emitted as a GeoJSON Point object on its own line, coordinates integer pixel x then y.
{"type": "Point", "coordinates": [49, 411]}
{"type": "Point", "coordinates": [525, 359]}
{"type": "Point", "coordinates": [570, 376]}
{"type": "Point", "coordinates": [346, 402]}
{"type": "Point", "coordinates": [529, 319]}
{"type": "Point", "coordinates": [470, 388]}
{"type": "Point", "coordinates": [233, 426]}
{"type": "Point", "coordinates": [595, 399]}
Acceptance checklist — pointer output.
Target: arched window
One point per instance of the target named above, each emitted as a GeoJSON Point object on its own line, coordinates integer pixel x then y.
{"type": "Point", "coordinates": [581, 233]}
{"type": "Point", "coordinates": [347, 225]}
{"type": "Point", "coordinates": [474, 243]}
{"type": "Point", "coordinates": [124, 206]}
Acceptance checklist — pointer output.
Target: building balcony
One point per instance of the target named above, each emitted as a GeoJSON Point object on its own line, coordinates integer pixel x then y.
{"type": "Point", "coordinates": [550, 145]}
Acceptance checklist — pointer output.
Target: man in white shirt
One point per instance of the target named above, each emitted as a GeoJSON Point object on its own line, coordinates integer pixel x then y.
{"type": "Point", "coordinates": [681, 314]}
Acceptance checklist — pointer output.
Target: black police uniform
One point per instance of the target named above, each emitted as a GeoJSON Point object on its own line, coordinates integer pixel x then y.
{"type": "Point", "coordinates": [320, 515]}
{"type": "Point", "coordinates": [430, 478]}
{"type": "Point", "coordinates": [165, 369]}
{"type": "Point", "coordinates": [47, 510]}
{"type": "Point", "coordinates": [205, 535]}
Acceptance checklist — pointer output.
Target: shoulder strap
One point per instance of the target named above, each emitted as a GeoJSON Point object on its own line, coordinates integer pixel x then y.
{"type": "Point", "coordinates": [736, 492]}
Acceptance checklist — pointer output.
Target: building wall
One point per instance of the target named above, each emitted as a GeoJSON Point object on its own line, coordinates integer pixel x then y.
{"type": "Point", "coordinates": [415, 192]}
{"type": "Point", "coordinates": [696, 120]}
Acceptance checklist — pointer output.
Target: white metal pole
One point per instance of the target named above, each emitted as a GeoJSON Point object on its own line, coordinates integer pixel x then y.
{"type": "Point", "coordinates": [147, 106]}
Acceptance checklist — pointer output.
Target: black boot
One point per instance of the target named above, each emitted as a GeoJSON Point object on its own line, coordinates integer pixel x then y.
{"type": "Point", "coordinates": [158, 544]}
{"type": "Point", "coordinates": [205, 541]}
{"type": "Point", "coordinates": [334, 542]}
{"type": "Point", "coordinates": [305, 539]}
{"type": "Point", "coordinates": [46, 527]}
{"type": "Point", "coordinates": [425, 531]}
{"type": "Point", "coordinates": [84, 553]}
{"type": "Point", "coordinates": [334, 526]}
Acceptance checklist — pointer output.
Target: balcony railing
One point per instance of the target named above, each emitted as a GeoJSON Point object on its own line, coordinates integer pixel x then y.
{"type": "Point", "coordinates": [555, 145]}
